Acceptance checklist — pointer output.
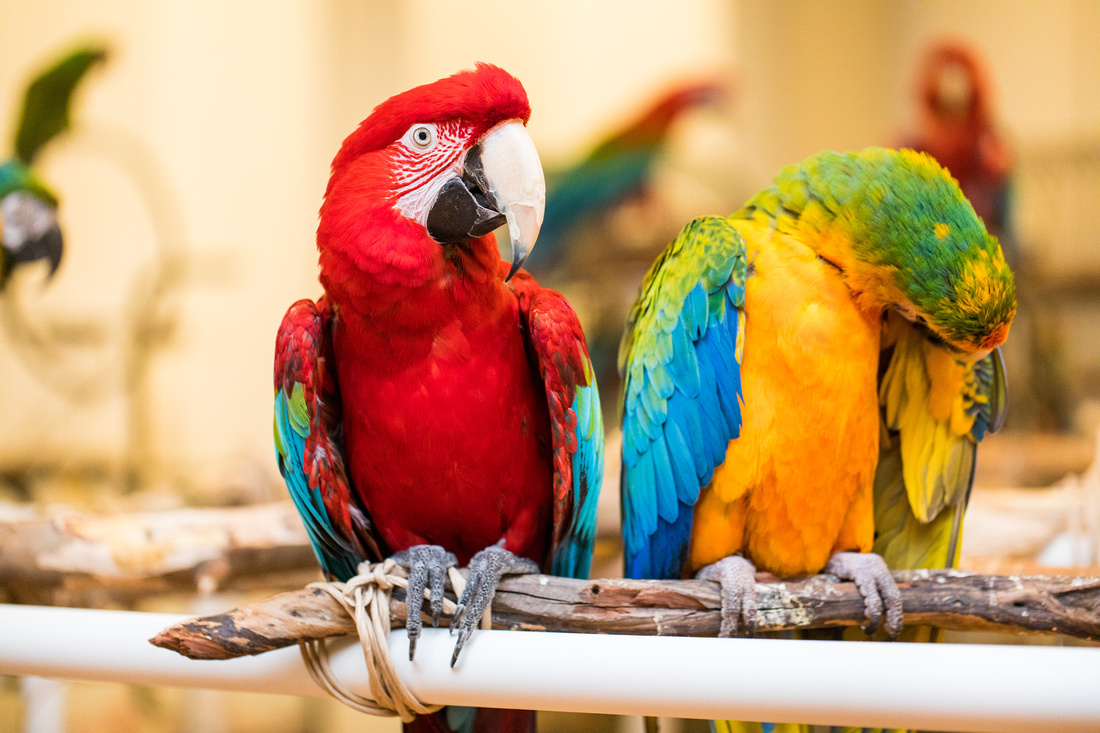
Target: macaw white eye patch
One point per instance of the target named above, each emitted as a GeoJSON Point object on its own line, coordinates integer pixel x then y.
{"type": "Point", "coordinates": [424, 158]}
{"type": "Point", "coordinates": [26, 217]}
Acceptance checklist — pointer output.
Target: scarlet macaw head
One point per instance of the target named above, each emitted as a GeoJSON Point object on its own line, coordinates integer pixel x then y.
{"type": "Point", "coordinates": [428, 176]}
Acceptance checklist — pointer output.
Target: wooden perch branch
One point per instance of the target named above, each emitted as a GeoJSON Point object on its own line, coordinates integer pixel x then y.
{"type": "Point", "coordinates": [101, 560]}
{"type": "Point", "coordinates": [946, 599]}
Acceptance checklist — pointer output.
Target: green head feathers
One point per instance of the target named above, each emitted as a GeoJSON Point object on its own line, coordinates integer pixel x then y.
{"type": "Point", "coordinates": [15, 176]}
{"type": "Point", "coordinates": [900, 229]}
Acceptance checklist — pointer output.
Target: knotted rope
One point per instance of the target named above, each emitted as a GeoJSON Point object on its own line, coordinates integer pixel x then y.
{"type": "Point", "coordinates": [366, 599]}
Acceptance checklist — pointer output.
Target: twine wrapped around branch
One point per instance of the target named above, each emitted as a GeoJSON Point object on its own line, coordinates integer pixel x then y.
{"type": "Point", "coordinates": [366, 599]}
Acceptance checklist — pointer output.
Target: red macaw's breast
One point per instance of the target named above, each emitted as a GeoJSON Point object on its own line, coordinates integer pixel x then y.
{"type": "Point", "coordinates": [448, 434]}
{"type": "Point", "coordinates": [796, 485]}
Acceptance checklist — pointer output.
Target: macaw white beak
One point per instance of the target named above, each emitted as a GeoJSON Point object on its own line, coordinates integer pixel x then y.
{"type": "Point", "coordinates": [513, 174]}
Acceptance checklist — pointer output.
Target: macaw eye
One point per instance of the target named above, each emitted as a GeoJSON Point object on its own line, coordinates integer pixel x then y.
{"type": "Point", "coordinates": [421, 137]}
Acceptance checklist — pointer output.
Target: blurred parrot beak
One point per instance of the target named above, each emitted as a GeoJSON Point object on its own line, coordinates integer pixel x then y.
{"type": "Point", "coordinates": [502, 182]}
{"type": "Point", "coordinates": [48, 247]}
{"type": "Point", "coordinates": [30, 232]}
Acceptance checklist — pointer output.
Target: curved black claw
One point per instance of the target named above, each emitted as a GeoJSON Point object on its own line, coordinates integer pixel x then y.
{"type": "Point", "coordinates": [427, 566]}
{"type": "Point", "coordinates": [737, 576]}
{"type": "Point", "coordinates": [486, 568]}
{"type": "Point", "coordinates": [875, 584]}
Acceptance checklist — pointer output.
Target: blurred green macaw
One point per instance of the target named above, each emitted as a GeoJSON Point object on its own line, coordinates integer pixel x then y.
{"type": "Point", "coordinates": [619, 167]}
{"type": "Point", "coordinates": [28, 209]}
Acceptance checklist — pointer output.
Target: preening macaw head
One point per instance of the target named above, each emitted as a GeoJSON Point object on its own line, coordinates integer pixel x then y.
{"type": "Point", "coordinates": [937, 264]}
{"type": "Point", "coordinates": [428, 176]}
{"type": "Point", "coordinates": [28, 221]}
{"type": "Point", "coordinates": [900, 230]}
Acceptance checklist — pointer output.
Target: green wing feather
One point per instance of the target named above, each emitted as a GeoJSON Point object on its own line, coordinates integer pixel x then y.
{"type": "Point", "coordinates": [48, 101]}
{"type": "Point", "coordinates": [15, 176]}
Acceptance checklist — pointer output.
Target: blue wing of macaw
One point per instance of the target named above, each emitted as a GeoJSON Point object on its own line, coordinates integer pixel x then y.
{"type": "Point", "coordinates": [572, 557]}
{"type": "Point", "coordinates": [681, 363]}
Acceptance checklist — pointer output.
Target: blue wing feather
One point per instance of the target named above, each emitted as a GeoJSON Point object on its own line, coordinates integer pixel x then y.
{"type": "Point", "coordinates": [334, 554]}
{"type": "Point", "coordinates": [667, 506]}
{"type": "Point", "coordinates": [573, 556]}
{"type": "Point", "coordinates": [683, 408]}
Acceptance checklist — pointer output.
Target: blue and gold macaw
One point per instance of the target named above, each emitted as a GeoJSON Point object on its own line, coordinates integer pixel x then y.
{"type": "Point", "coordinates": [807, 381]}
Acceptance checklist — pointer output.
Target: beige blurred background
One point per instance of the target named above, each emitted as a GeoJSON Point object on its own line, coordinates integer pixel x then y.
{"type": "Point", "coordinates": [237, 108]}
{"type": "Point", "coordinates": [201, 150]}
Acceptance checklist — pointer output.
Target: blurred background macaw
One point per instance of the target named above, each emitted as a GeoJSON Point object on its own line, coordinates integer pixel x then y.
{"type": "Point", "coordinates": [618, 169]}
{"type": "Point", "coordinates": [604, 216]}
{"type": "Point", "coordinates": [28, 208]}
{"type": "Point", "coordinates": [958, 129]}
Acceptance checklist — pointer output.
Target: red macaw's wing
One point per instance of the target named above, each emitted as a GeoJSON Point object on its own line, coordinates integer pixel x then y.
{"type": "Point", "coordinates": [554, 335]}
{"type": "Point", "coordinates": [308, 442]}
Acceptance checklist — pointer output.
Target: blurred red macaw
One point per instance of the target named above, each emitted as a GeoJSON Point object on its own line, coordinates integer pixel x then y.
{"type": "Point", "coordinates": [957, 129]}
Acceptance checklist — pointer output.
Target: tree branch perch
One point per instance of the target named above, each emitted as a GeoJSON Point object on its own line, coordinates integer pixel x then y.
{"type": "Point", "coordinates": [78, 559]}
{"type": "Point", "coordinates": [946, 599]}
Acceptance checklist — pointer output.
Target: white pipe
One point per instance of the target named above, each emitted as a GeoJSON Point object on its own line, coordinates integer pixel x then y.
{"type": "Point", "coordinates": [44, 704]}
{"type": "Point", "coordinates": [929, 686]}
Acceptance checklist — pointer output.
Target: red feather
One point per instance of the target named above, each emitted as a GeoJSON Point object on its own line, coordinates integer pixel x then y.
{"type": "Point", "coordinates": [486, 95]}
{"type": "Point", "coordinates": [303, 355]}
{"type": "Point", "coordinates": [558, 342]}
{"type": "Point", "coordinates": [447, 424]}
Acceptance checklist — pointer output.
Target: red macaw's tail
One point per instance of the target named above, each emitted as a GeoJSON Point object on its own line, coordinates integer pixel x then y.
{"type": "Point", "coordinates": [474, 720]}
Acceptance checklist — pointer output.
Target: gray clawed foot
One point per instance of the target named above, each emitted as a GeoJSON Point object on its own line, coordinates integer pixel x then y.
{"type": "Point", "coordinates": [486, 569]}
{"type": "Point", "coordinates": [737, 576]}
{"type": "Point", "coordinates": [876, 585]}
{"type": "Point", "coordinates": [427, 565]}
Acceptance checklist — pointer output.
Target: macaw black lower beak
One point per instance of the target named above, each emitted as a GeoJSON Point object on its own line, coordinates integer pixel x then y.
{"type": "Point", "coordinates": [48, 246]}
{"type": "Point", "coordinates": [464, 208]}
{"type": "Point", "coordinates": [501, 183]}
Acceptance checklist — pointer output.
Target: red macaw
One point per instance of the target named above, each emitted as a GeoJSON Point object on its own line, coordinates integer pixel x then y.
{"type": "Point", "coordinates": [437, 403]}
{"type": "Point", "coordinates": [958, 129]}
